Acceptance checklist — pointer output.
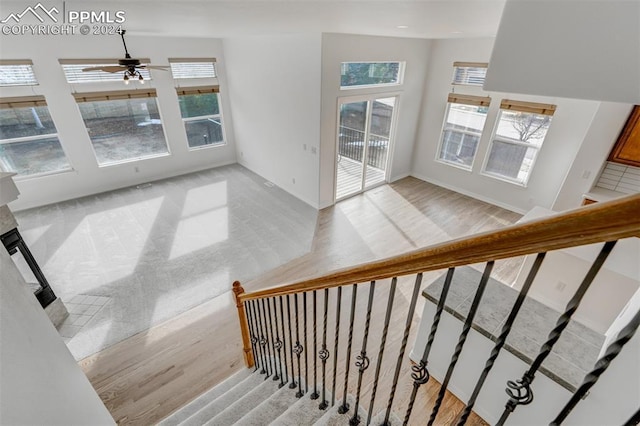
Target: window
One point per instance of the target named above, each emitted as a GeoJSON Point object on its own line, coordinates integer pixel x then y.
{"type": "Point", "coordinates": [193, 67]}
{"type": "Point", "coordinates": [200, 109]}
{"type": "Point", "coordinates": [462, 129]}
{"type": "Point", "coordinates": [17, 73]}
{"type": "Point", "coordinates": [123, 125]}
{"type": "Point", "coordinates": [362, 74]}
{"type": "Point", "coordinates": [518, 136]}
{"type": "Point", "coordinates": [72, 69]}
{"type": "Point", "coordinates": [29, 142]}
{"type": "Point", "coordinates": [469, 73]}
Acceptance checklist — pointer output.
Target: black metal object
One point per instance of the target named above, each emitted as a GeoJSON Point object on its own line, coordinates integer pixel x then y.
{"type": "Point", "coordinates": [403, 346]}
{"type": "Point", "coordinates": [297, 349]}
{"type": "Point", "coordinates": [252, 333]}
{"type": "Point", "coordinates": [420, 373]}
{"type": "Point", "coordinates": [259, 336]}
{"type": "Point", "coordinates": [315, 394]}
{"type": "Point", "coordinates": [293, 383]}
{"type": "Point", "coordinates": [324, 353]}
{"type": "Point", "coordinates": [265, 342]}
{"type": "Point", "coordinates": [634, 420]}
{"type": "Point", "coordinates": [284, 341]}
{"type": "Point", "coordinates": [502, 338]}
{"type": "Point", "coordinates": [306, 359]}
{"type": "Point", "coordinates": [13, 242]}
{"type": "Point", "coordinates": [363, 360]}
{"type": "Point", "coordinates": [600, 367]}
{"type": "Point", "coordinates": [461, 340]}
{"type": "Point", "coordinates": [262, 341]}
{"type": "Point", "coordinates": [335, 346]}
{"type": "Point", "coordinates": [520, 391]}
{"type": "Point", "coordinates": [278, 343]}
{"type": "Point", "coordinates": [276, 376]}
{"type": "Point", "coordinates": [345, 407]}
{"type": "Point", "coordinates": [383, 341]}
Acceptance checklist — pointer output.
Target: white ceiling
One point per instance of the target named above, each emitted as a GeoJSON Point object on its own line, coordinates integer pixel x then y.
{"type": "Point", "coordinates": [424, 18]}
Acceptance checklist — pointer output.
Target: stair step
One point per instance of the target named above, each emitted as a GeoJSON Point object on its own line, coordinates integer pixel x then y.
{"type": "Point", "coordinates": [219, 404]}
{"type": "Point", "coordinates": [333, 418]}
{"type": "Point", "coordinates": [394, 420]}
{"type": "Point", "coordinates": [305, 411]}
{"type": "Point", "coordinates": [271, 408]}
{"type": "Point", "coordinates": [244, 403]}
{"type": "Point", "coordinates": [205, 398]}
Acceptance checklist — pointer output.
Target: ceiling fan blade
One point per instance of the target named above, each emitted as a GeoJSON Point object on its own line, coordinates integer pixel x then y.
{"type": "Point", "coordinates": [109, 68]}
{"type": "Point", "coordinates": [155, 67]}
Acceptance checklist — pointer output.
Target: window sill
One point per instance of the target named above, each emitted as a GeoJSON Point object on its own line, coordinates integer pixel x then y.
{"type": "Point", "coordinates": [211, 145]}
{"type": "Point", "coordinates": [503, 179]}
{"type": "Point", "coordinates": [133, 160]}
{"type": "Point", "coordinates": [20, 178]}
{"type": "Point", "coordinates": [456, 165]}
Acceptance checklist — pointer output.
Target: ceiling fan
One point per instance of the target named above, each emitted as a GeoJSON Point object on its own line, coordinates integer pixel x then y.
{"type": "Point", "coordinates": [128, 65]}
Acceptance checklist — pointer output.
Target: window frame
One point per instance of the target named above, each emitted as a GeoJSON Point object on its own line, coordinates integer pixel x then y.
{"type": "Point", "coordinates": [201, 90]}
{"type": "Point", "coordinates": [460, 99]}
{"type": "Point", "coordinates": [457, 65]}
{"type": "Point", "coordinates": [524, 107]}
{"type": "Point", "coordinates": [211, 61]}
{"type": "Point", "coordinates": [20, 63]}
{"type": "Point", "coordinates": [400, 80]}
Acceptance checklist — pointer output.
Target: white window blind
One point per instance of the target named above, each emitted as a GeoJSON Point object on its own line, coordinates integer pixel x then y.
{"type": "Point", "coordinates": [469, 73]}
{"type": "Point", "coordinates": [17, 73]}
{"type": "Point", "coordinates": [73, 70]}
{"type": "Point", "coordinates": [193, 67]}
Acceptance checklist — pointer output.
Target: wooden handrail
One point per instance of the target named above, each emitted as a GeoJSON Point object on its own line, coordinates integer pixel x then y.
{"type": "Point", "coordinates": [594, 223]}
{"type": "Point", "coordinates": [244, 326]}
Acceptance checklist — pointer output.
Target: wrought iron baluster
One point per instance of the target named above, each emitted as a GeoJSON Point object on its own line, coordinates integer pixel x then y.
{"type": "Point", "coordinates": [502, 338]}
{"type": "Point", "coordinates": [324, 353]}
{"type": "Point", "coordinates": [269, 339]}
{"type": "Point", "coordinates": [284, 341]}
{"type": "Point", "coordinates": [363, 360]}
{"type": "Point", "coordinates": [634, 420]}
{"type": "Point", "coordinates": [263, 339]}
{"type": "Point", "coordinates": [420, 373]}
{"type": "Point", "coordinates": [278, 343]}
{"type": "Point", "coordinates": [276, 376]}
{"type": "Point", "coordinates": [315, 394]}
{"type": "Point", "coordinates": [600, 367]}
{"type": "Point", "coordinates": [403, 346]}
{"type": "Point", "coordinates": [256, 317]}
{"type": "Point", "coordinates": [306, 347]}
{"type": "Point", "coordinates": [293, 383]}
{"type": "Point", "coordinates": [461, 340]}
{"type": "Point", "coordinates": [252, 332]}
{"type": "Point", "coordinates": [383, 341]}
{"type": "Point", "coordinates": [335, 347]}
{"type": "Point", "coordinates": [297, 349]}
{"type": "Point", "coordinates": [520, 391]}
{"type": "Point", "coordinates": [345, 407]}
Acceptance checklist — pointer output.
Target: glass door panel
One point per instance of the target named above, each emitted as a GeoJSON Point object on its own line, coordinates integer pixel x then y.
{"type": "Point", "coordinates": [378, 140]}
{"type": "Point", "coordinates": [351, 148]}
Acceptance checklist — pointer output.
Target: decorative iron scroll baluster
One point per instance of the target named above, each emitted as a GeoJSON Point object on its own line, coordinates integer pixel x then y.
{"type": "Point", "coordinates": [306, 359]}
{"type": "Point", "coordinates": [345, 407]}
{"type": "Point", "coordinates": [383, 341]}
{"type": "Point", "coordinates": [600, 367]}
{"type": "Point", "coordinates": [420, 373]}
{"type": "Point", "coordinates": [276, 376]}
{"type": "Point", "coordinates": [324, 353]}
{"type": "Point", "coordinates": [633, 420]}
{"type": "Point", "coordinates": [520, 391]}
{"type": "Point", "coordinates": [284, 341]}
{"type": "Point", "coordinates": [278, 343]}
{"type": "Point", "coordinates": [461, 340]}
{"type": "Point", "coordinates": [263, 339]}
{"type": "Point", "coordinates": [269, 339]}
{"type": "Point", "coordinates": [363, 360]}
{"type": "Point", "coordinates": [502, 338]}
{"type": "Point", "coordinates": [293, 383]}
{"type": "Point", "coordinates": [335, 347]}
{"type": "Point", "coordinates": [315, 394]}
{"type": "Point", "coordinates": [403, 346]}
{"type": "Point", "coordinates": [252, 332]}
{"type": "Point", "coordinates": [297, 349]}
{"type": "Point", "coordinates": [256, 317]}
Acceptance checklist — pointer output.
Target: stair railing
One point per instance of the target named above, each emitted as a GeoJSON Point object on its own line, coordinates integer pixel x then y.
{"type": "Point", "coordinates": [597, 223]}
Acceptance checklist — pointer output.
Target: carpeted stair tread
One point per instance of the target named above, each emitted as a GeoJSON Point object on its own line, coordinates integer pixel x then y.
{"type": "Point", "coordinates": [394, 420]}
{"type": "Point", "coordinates": [245, 403]}
{"type": "Point", "coordinates": [333, 418]}
{"type": "Point", "coordinates": [205, 398]}
{"type": "Point", "coordinates": [271, 408]}
{"type": "Point", "coordinates": [223, 401]}
{"type": "Point", "coordinates": [305, 411]}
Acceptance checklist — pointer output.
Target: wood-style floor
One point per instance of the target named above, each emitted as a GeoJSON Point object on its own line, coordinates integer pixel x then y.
{"type": "Point", "coordinates": [146, 377]}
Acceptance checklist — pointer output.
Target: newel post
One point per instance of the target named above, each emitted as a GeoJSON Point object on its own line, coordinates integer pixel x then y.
{"type": "Point", "coordinates": [244, 326]}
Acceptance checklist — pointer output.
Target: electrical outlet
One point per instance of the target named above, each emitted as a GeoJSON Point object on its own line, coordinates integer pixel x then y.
{"type": "Point", "coordinates": [586, 174]}
{"type": "Point", "coordinates": [293, 180]}
{"type": "Point", "coordinates": [561, 286]}
{"type": "Point", "coordinates": [314, 150]}
{"type": "Point", "coordinates": [304, 146]}
{"type": "Point", "coordinates": [136, 169]}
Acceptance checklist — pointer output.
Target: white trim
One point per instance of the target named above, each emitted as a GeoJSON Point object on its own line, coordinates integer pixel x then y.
{"type": "Point", "coordinates": [28, 138]}
{"type": "Point", "coordinates": [400, 82]}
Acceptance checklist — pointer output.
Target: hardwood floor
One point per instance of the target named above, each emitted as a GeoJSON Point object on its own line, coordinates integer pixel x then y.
{"type": "Point", "coordinates": [146, 377]}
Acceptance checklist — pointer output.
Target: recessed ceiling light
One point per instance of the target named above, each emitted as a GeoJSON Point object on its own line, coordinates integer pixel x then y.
{"type": "Point", "coordinates": [402, 27]}
{"type": "Point", "coordinates": [456, 32]}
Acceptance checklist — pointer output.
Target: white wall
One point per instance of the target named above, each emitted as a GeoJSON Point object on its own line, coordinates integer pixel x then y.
{"type": "Point", "coordinates": [86, 177]}
{"type": "Point", "coordinates": [338, 48]}
{"type": "Point", "coordinates": [586, 49]}
{"type": "Point", "coordinates": [40, 382]}
{"type": "Point", "coordinates": [274, 86]}
{"type": "Point", "coordinates": [568, 128]}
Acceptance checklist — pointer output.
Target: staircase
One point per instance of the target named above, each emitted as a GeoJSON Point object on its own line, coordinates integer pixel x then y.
{"type": "Point", "coordinates": [253, 399]}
